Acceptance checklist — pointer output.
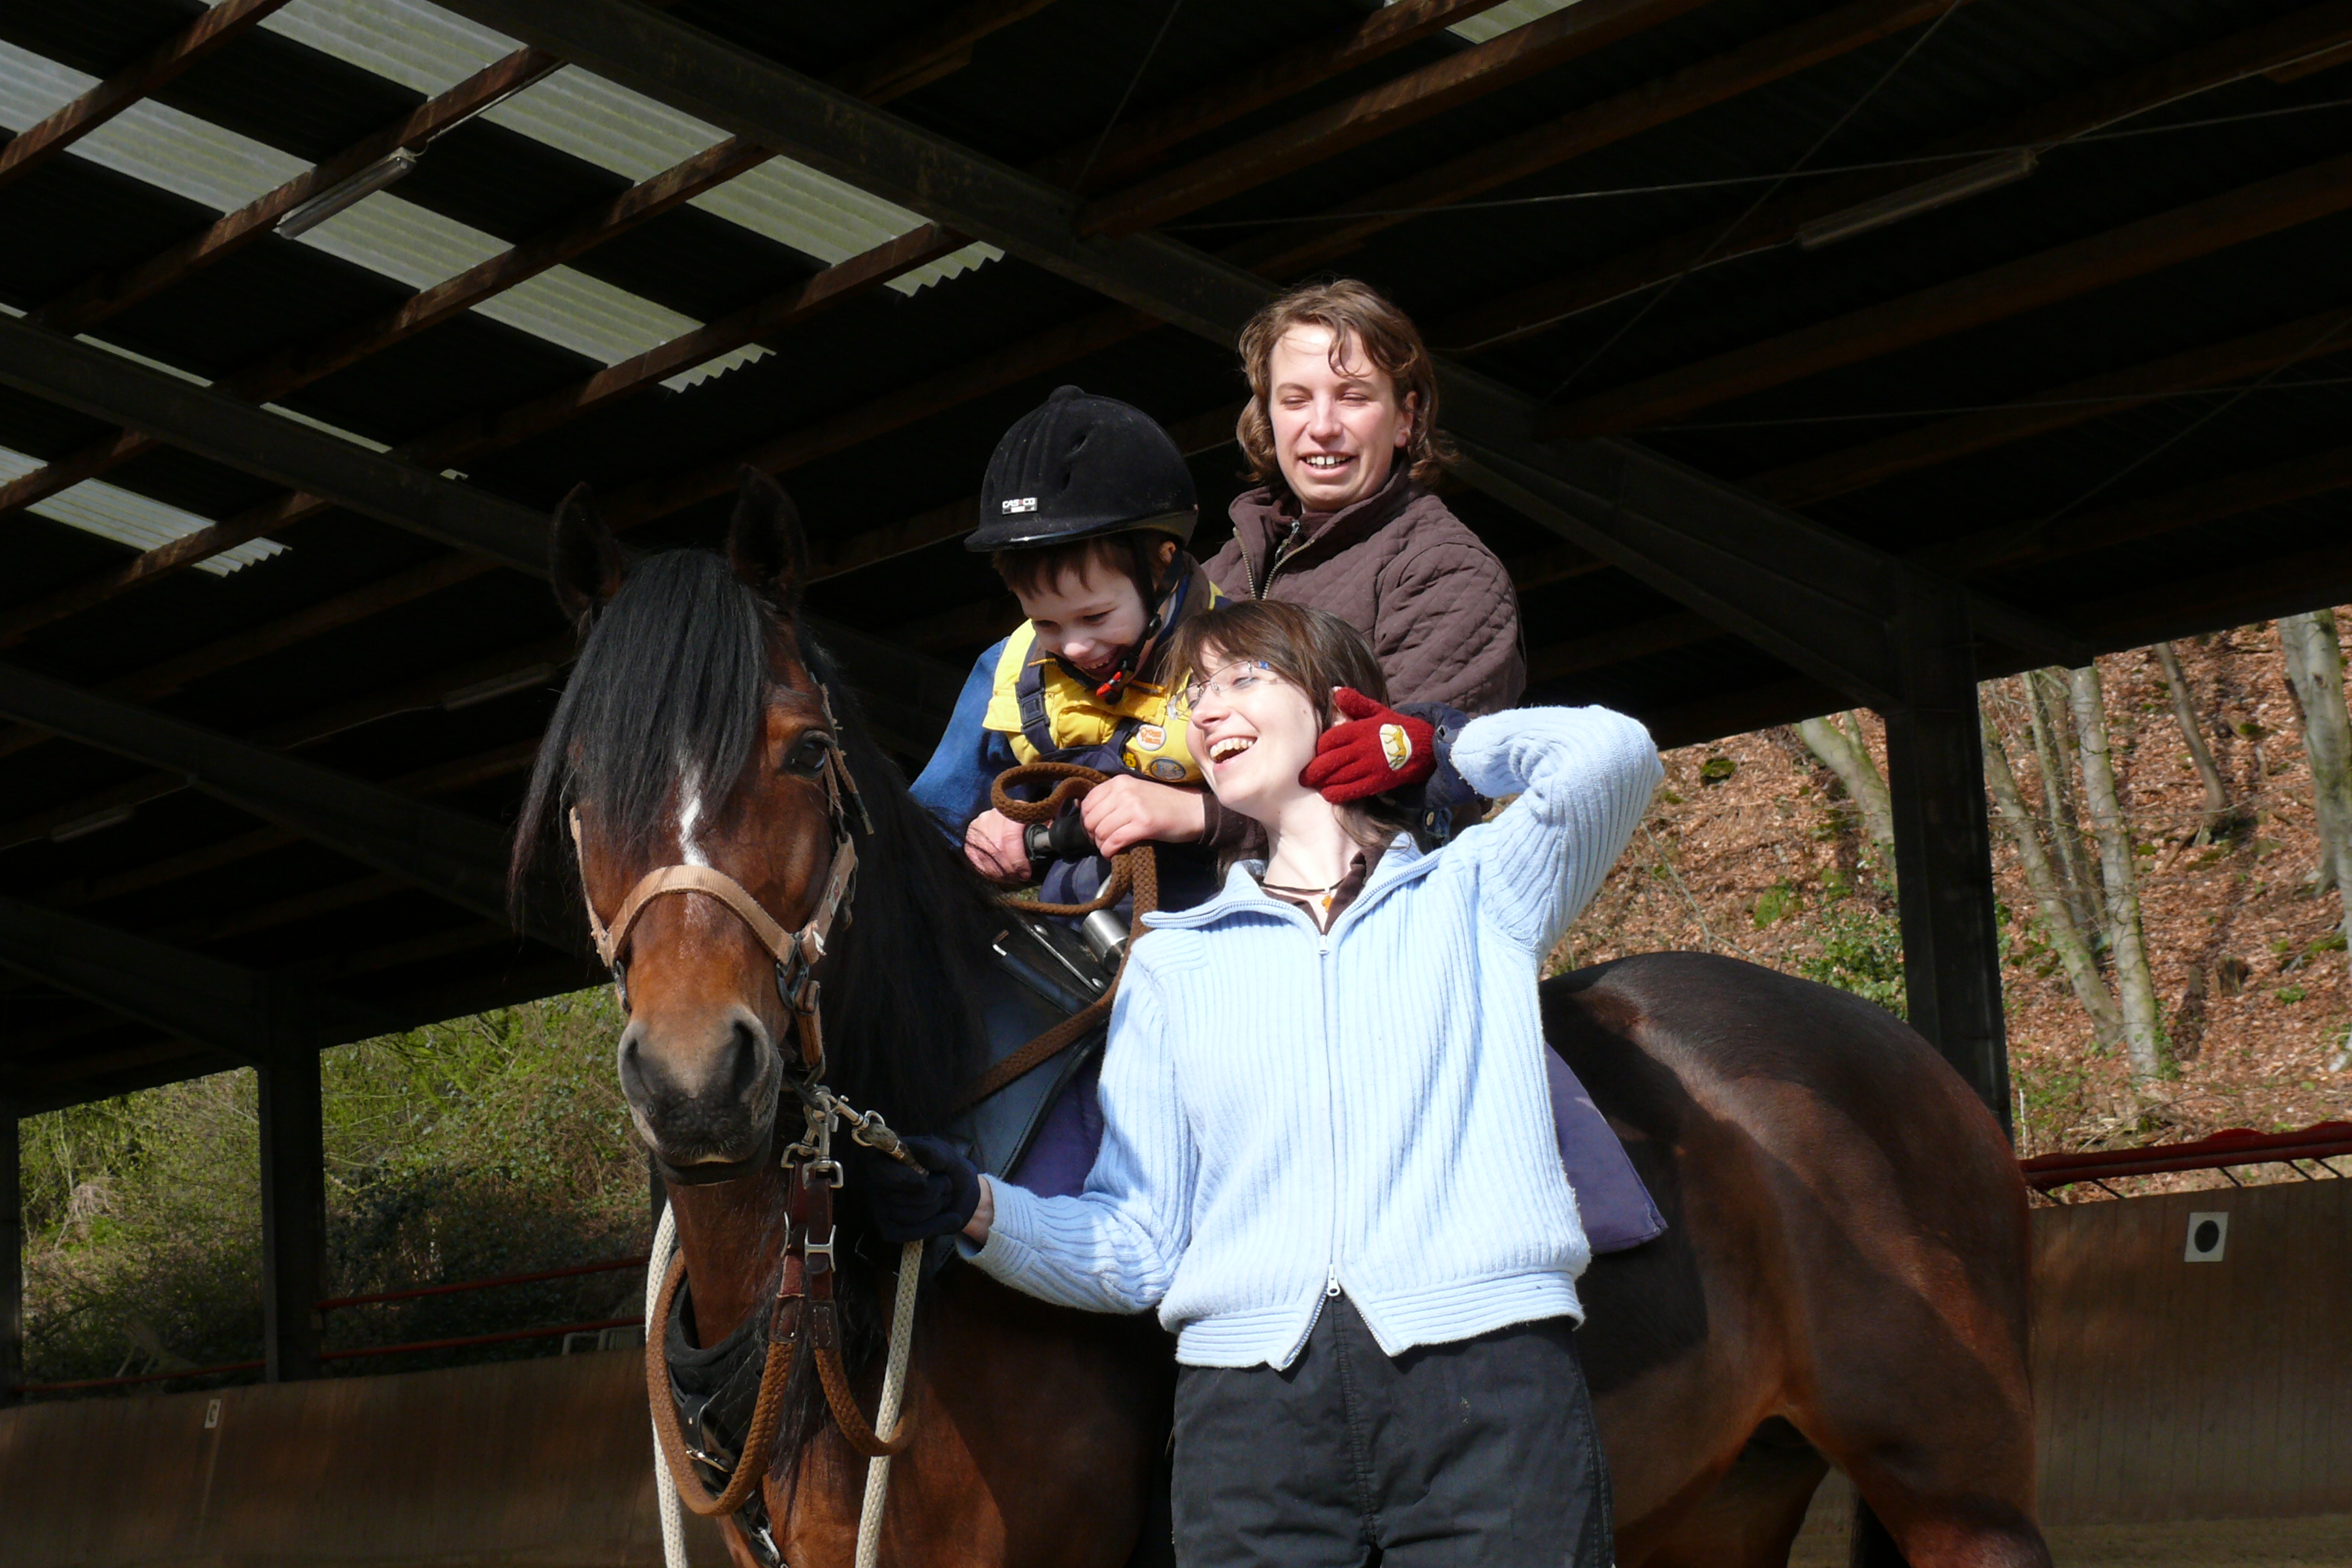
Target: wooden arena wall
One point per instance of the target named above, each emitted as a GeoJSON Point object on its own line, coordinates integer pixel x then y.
{"type": "Point", "coordinates": [2176, 1390]}
{"type": "Point", "coordinates": [2168, 1390]}
{"type": "Point", "coordinates": [544, 1462]}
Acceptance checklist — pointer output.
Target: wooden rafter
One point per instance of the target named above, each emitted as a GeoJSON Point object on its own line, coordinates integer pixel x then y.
{"type": "Point", "coordinates": [2229, 59]}
{"type": "Point", "coordinates": [1329, 235]}
{"type": "Point", "coordinates": [2051, 408]}
{"type": "Point", "coordinates": [293, 368]}
{"type": "Point", "coordinates": [37, 143]}
{"type": "Point", "coordinates": [2134, 250]}
{"type": "Point", "coordinates": [475, 434]}
{"type": "Point", "coordinates": [938, 49]}
{"type": "Point", "coordinates": [94, 301]}
{"type": "Point", "coordinates": [1381, 31]}
{"type": "Point", "coordinates": [1526, 50]}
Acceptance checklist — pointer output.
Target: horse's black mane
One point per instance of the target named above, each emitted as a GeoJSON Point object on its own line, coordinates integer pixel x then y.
{"type": "Point", "coordinates": [671, 683]}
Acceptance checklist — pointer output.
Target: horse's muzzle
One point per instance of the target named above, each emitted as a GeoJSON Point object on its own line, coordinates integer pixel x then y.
{"type": "Point", "coordinates": [702, 1093]}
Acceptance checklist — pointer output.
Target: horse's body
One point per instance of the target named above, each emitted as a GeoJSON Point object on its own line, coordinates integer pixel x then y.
{"type": "Point", "coordinates": [1843, 1278]}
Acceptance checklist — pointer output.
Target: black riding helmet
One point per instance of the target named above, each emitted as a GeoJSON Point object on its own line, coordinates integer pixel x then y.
{"type": "Point", "coordinates": [1079, 466]}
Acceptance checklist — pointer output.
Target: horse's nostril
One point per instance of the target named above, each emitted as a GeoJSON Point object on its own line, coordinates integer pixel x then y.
{"type": "Point", "coordinates": [745, 1051]}
{"type": "Point", "coordinates": [632, 1068]}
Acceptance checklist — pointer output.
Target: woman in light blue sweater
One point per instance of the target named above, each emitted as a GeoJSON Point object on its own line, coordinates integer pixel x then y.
{"type": "Point", "coordinates": [1328, 1156]}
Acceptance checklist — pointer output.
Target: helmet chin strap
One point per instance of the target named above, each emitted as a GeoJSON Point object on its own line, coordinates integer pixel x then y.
{"type": "Point", "coordinates": [1171, 606]}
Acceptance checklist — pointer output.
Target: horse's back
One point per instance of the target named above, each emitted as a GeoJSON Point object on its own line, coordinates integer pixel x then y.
{"type": "Point", "coordinates": [1846, 1244]}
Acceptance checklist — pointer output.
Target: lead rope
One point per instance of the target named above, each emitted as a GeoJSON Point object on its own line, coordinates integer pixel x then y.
{"type": "Point", "coordinates": [886, 1417]}
{"type": "Point", "coordinates": [666, 1503]}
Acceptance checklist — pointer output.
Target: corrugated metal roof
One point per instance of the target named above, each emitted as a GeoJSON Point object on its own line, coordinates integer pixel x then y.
{"type": "Point", "coordinates": [125, 517]}
{"type": "Point", "coordinates": [430, 50]}
{"type": "Point", "coordinates": [191, 157]}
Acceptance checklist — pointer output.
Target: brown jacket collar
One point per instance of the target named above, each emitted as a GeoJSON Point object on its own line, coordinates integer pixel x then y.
{"type": "Point", "coordinates": [1262, 521]}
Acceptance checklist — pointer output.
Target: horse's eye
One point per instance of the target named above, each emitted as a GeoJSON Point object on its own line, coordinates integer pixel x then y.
{"type": "Point", "coordinates": [808, 757]}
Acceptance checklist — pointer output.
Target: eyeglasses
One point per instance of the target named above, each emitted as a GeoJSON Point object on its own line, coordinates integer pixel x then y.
{"type": "Point", "coordinates": [1228, 683]}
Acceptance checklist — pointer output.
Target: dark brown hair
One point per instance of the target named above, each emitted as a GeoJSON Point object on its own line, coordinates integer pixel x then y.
{"type": "Point", "coordinates": [1355, 315]}
{"type": "Point", "coordinates": [1039, 568]}
{"type": "Point", "coordinates": [1313, 650]}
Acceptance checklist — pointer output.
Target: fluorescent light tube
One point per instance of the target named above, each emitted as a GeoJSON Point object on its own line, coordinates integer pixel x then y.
{"type": "Point", "coordinates": [347, 191]}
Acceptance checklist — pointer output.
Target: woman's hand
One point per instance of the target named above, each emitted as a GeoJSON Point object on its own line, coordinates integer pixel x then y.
{"type": "Point", "coordinates": [1120, 813]}
{"type": "Point", "coordinates": [983, 1215]}
{"type": "Point", "coordinates": [993, 845]}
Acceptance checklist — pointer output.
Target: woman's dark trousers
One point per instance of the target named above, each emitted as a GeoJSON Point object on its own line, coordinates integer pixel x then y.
{"type": "Point", "coordinates": [1480, 1454]}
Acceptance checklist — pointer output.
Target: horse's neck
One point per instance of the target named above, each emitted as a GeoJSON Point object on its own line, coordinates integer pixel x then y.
{"type": "Point", "coordinates": [730, 1233]}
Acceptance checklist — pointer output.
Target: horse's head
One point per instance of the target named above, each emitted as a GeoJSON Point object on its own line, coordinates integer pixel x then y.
{"type": "Point", "coordinates": [695, 733]}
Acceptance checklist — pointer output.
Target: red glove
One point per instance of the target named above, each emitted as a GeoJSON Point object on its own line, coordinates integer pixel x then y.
{"type": "Point", "coordinates": [1378, 749]}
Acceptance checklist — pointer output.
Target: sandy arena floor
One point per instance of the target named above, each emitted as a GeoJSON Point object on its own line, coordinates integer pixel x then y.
{"type": "Point", "coordinates": [2322, 1542]}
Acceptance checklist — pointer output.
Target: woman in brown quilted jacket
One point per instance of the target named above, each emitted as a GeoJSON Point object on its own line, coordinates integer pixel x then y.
{"type": "Point", "coordinates": [1341, 429]}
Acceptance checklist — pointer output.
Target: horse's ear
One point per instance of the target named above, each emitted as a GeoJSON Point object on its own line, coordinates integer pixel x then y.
{"type": "Point", "coordinates": [584, 558]}
{"type": "Point", "coordinates": [765, 544]}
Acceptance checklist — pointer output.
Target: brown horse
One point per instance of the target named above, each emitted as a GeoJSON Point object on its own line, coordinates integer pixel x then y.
{"type": "Point", "coordinates": [1843, 1281]}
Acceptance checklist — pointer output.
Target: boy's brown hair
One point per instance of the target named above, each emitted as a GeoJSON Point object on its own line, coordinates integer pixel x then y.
{"type": "Point", "coordinates": [1313, 650]}
{"type": "Point", "coordinates": [1357, 316]}
{"type": "Point", "coordinates": [1040, 568]}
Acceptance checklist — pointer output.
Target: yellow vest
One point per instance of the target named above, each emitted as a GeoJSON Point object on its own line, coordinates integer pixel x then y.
{"type": "Point", "coordinates": [1048, 713]}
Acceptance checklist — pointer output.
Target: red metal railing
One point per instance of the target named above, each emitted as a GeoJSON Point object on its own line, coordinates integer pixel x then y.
{"type": "Point", "coordinates": [2231, 1146]}
{"type": "Point", "coordinates": [506, 1336]}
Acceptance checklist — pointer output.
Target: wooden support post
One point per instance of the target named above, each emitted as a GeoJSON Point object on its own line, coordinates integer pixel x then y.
{"type": "Point", "coordinates": [293, 1214]}
{"type": "Point", "coordinates": [12, 1258]}
{"type": "Point", "coordinates": [1943, 843]}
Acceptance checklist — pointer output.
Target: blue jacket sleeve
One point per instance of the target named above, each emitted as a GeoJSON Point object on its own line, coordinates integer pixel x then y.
{"type": "Point", "coordinates": [1583, 777]}
{"type": "Point", "coordinates": [953, 785]}
{"type": "Point", "coordinates": [1114, 1246]}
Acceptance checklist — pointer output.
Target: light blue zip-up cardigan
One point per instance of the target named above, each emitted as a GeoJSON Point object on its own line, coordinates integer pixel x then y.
{"type": "Point", "coordinates": [1288, 1114]}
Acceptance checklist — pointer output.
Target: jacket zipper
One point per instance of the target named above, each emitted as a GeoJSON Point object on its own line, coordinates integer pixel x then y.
{"type": "Point", "coordinates": [1331, 1089]}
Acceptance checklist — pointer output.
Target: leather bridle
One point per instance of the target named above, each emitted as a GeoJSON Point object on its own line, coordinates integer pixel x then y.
{"type": "Point", "coordinates": [804, 1305]}
{"type": "Point", "coordinates": [796, 952]}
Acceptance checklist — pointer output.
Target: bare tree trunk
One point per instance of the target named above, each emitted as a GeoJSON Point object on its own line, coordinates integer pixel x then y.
{"type": "Point", "coordinates": [2315, 673]}
{"type": "Point", "coordinates": [2057, 915]}
{"type": "Point", "coordinates": [2134, 987]}
{"type": "Point", "coordinates": [2053, 749]}
{"type": "Point", "coordinates": [1848, 756]}
{"type": "Point", "coordinates": [2216, 799]}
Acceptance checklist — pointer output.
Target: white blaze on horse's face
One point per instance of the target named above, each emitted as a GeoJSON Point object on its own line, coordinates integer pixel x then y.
{"type": "Point", "coordinates": [689, 815]}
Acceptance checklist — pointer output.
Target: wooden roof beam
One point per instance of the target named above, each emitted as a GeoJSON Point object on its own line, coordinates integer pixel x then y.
{"type": "Point", "coordinates": [96, 299]}
{"type": "Point", "coordinates": [931, 52]}
{"type": "Point", "coordinates": [299, 365]}
{"type": "Point", "coordinates": [37, 143]}
{"type": "Point", "coordinates": [2071, 403]}
{"type": "Point", "coordinates": [1538, 306]}
{"type": "Point", "coordinates": [227, 1007]}
{"type": "Point", "coordinates": [2134, 250]}
{"type": "Point", "coordinates": [1315, 241]}
{"type": "Point", "coordinates": [1524, 51]}
{"type": "Point", "coordinates": [448, 854]}
{"type": "Point", "coordinates": [472, 435]}
{"type": "Point", "coordinates": [1380, 31]}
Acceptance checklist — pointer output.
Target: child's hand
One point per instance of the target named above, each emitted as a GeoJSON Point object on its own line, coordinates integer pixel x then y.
{"type": "Point", "coordinates": [1120, 813]}
{"type": "Point", "coordinates": [993, 843]}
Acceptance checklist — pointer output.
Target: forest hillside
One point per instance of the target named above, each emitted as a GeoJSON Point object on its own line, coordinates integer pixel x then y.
{"type": "Point", "coordinates": [1753, 847]}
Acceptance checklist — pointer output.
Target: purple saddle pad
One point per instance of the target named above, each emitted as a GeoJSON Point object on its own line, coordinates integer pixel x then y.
{"type": "Point", "coordinates": [1616, 1208]}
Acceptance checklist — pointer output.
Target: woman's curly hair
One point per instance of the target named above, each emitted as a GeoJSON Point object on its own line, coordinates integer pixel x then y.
{"type": "Point", "coordinates": [1355, 315]}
